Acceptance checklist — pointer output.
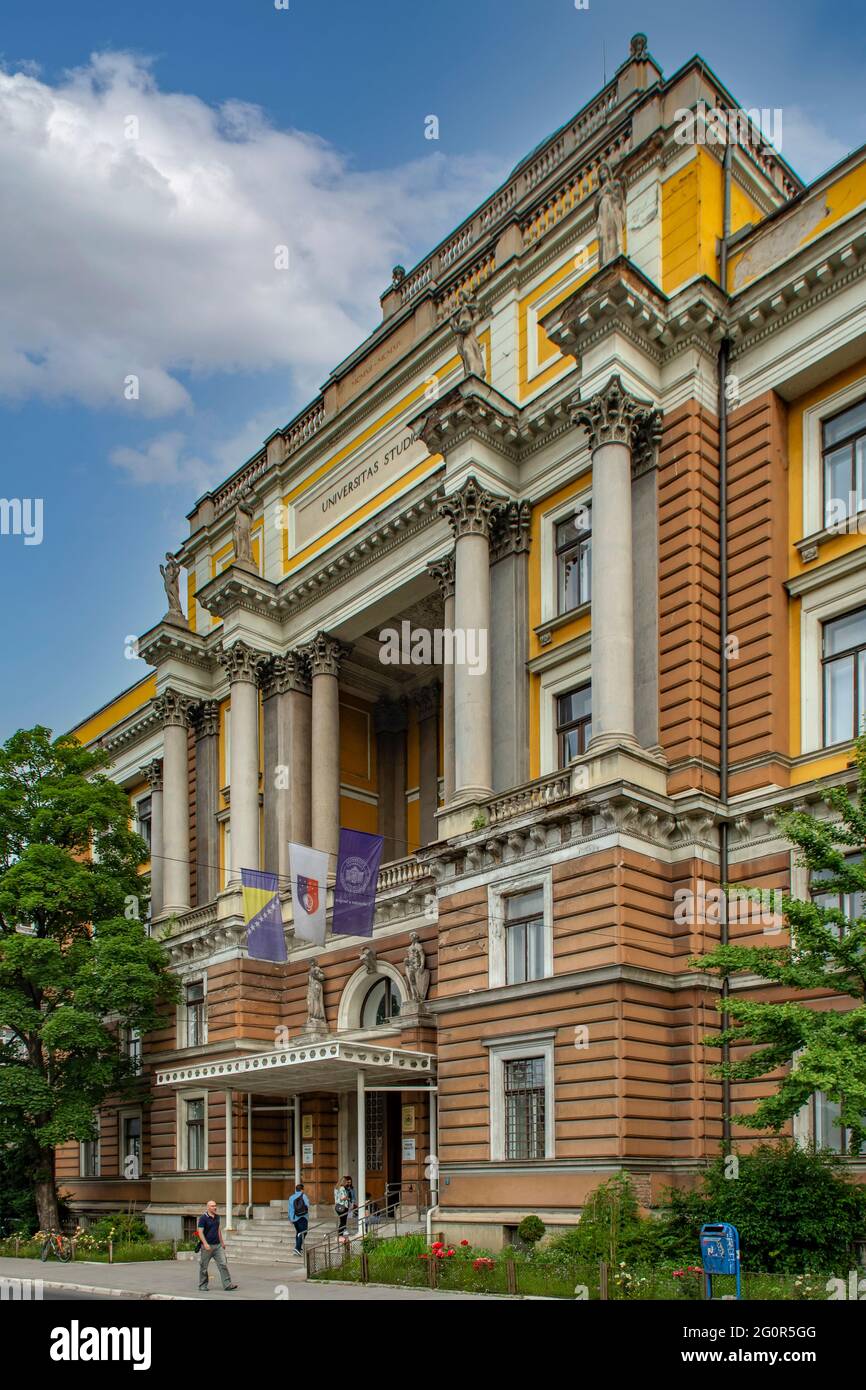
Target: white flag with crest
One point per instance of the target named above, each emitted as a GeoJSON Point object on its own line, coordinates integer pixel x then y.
{"type": "Point", "coordinates": [309, 870]}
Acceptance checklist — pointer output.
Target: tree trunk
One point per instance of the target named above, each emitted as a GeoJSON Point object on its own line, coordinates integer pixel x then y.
{"type": "Point", "coordinates": [45, 1191]}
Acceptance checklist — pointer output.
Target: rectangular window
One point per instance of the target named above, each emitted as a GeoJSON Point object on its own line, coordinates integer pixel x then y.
{"type": "Point", "coordinates": [843, 451]}
{"type": "Point", "coordinates": [844, 662]}
{"type": "Point", "coordinates": [573, 561]}
{"type": "Point", "coordinates": [573, 723]}
{"type": "Point", "coordinates": [132, 1043]}
{"type": "Point", "coordinates": [524, 1108]}
{"type": "Point", "coordinates": [524, 936]}
{"type": "Point", "coordinates": [143, 816]}
{"type": "Point", "coordinates": [850, 904]}
{"type": "Point", "coordinates": [826, 1129]}
{"type": "Point", "coordinates": [375, 1131]}
{"type": "Point", "coordinates": [194, 1005]}
{"type": "Point", "coordinates": [90, 1158]}
{"type": "Point", "coordinates": [130, 1146]}
{"type": "Point", "coordinates": [194, 1119]}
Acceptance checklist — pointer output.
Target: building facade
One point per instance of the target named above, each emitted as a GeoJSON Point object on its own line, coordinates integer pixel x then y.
{"type": "Point", "coordinates": [559, 586]}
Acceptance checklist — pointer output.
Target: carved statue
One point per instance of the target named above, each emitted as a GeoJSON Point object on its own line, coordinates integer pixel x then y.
{"type": "Point", "coordinates": [610, 213]}
{"type": "Point", "coordinates": [170, 572]}
{"type": "Point", "coordinates": [242, 528]}
{"type": "Point", "coordinates": [368, 956]}
{"type": "Point", "coordinates": [315, 995]}
{"type": "Point", "coordinates": [463, 325]}
{"type": "Point", "coordinates": [415, 968]}
{"type": "Point", "coordinates": [398, 275]}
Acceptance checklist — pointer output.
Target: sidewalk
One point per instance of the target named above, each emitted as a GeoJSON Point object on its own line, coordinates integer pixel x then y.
{"type": "Point", "coordinates": [170, 1279]}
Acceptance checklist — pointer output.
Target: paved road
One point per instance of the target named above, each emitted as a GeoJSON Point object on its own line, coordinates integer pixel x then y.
{"type": "Point", "coordinates": [168, 1279]}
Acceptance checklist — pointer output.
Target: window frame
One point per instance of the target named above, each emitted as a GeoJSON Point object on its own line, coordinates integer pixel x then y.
{"type": "Point", "coordinates": [94, 1144]}
{"type": "Point", "coordinates": [533, 1130]}
{"type": "Point", "coordinates": [849, 440]}
{"type": "Point", "coordinates": [814, 417]}
{"type": "Point", "coordinates": [182, 1029]}
{"type": "Point", "coordinates": [391, 988]}
{"type": "Point", "coordinates": [124, 1116]}
{"type": "Point", "coordinates": [827, 661]}
{"type": "Point", "coordinates": [514, 1049]}
{"type": "Point", "coordinates": [185, 1098]}
{"type": "Point", "coordinates": [582, 544]}
{"type": "Point", "coordinates": [581, 724]}
{"type": "Point", "coordinates": [497, 894]}
{"type": "Point", "coordinates": [526, 921]}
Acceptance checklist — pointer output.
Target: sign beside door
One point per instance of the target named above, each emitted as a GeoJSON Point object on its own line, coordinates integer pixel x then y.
{"type": "Point", "coordinates": [408, 1119]}
{"type": "Point", "coordinates": [306, 1154]}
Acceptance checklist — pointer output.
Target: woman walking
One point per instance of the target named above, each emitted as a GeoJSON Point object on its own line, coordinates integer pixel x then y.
{"type": "Point", "coordinates": [344, 1202]}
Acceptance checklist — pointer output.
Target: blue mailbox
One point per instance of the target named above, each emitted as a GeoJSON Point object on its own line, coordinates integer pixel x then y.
{"type": "Point", "coordinates": [720, 1252]}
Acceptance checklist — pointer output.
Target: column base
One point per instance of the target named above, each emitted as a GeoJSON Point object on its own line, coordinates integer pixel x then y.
{"type": "Point", "coordinates": [619, 759]}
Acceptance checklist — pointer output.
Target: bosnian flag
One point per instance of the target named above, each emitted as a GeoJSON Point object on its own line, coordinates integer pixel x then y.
{"type": "Point", "coordinates": [309, 870]}
{"type": "Point", "coordinates": [263, 916]}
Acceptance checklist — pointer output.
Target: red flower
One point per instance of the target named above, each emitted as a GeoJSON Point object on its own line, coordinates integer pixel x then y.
{"type": "Point", "coordinates": [464, 1242]}
{"type": "Point", "coordinates": [437, 1245]}
{"type": "Point", "coordinates": [423, 1257]}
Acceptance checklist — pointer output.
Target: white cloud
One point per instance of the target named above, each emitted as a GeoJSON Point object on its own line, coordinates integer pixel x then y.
{"type": "Point", "coordinates": [165, 460]}
{"type": "Point", "coordinates": [154, 256]}
{"type": "Point", "coordinates": [807, 145]}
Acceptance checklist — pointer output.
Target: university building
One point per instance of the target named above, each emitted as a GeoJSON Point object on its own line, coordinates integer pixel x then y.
{"type": "Point", "coordinates": [559, 585]}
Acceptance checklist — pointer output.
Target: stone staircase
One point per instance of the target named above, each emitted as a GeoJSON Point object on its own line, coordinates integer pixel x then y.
{"type": "Point", "coordinates": [268, 1237]}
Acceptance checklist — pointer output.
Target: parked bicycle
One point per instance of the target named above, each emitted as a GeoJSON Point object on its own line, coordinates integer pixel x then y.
{"type": "Point", "coordinates": [58, 1245]}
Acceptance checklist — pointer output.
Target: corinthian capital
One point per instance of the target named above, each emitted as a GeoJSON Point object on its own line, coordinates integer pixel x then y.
{"type": "Point", "coordinates": [612, 415]}
{"type": "Point", "coordinates": [152, 773]}
{"type": "Point", "coordinates": [205, 718]}
{"type": "Point", "coordinates": [279, 674]}
{"type": "Point", "coordinates": [472, 510]}
{"type": "Point", "coordinates": [240, 662]}
{"type": "Point", "coordinates": [443, 572]}
{"type": "Point", "coordinates": [324, 654]}
{"type": "Point", "coordinates": [172, 709]}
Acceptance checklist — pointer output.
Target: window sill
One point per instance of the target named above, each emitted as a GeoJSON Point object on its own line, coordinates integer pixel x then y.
{"type": "Point", "coordinates": [808, 548]}
{"type": "Point", "coordinates": [544, 632]}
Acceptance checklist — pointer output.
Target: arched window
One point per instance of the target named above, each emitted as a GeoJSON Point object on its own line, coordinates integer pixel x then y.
{"type": "Point", "coordinates": [381, 1003]}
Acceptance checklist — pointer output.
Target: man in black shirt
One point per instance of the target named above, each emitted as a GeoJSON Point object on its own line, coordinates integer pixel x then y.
{"type": "Point", "coordinates": [212, 1247]}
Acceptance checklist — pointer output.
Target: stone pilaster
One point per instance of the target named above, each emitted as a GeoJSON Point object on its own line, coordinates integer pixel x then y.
{"type": "Point", "coordinates": [509, 644]}
{"type": "Point", "coordinates": [204, 720]}
{"type": "Point", "coordinates": [426, 703]}
{"type": "Point", "coordinates": [390, 722]}
{"type": "Point", "coordinates": [443, 572]}
{"type": "Point", "coordinates": [241, 664]}
{"type": "Point", "coordinates": [172, 709]}
{"type": "Point", "coordinates": [324, 655]}
{"type": "Point", "coordinates": [286, 709]}
{"type": "Point", "coordinates": [152, 772]}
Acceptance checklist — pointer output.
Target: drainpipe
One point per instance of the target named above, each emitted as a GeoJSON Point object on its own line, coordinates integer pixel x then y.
{"type": "Point", "coordinates": [249, 1154]}
{"type": "Point", "coordinates": [724, 350]}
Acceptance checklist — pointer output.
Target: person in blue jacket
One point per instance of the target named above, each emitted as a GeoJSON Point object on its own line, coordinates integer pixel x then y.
{"type": "Point", "coordinates": [299, 1211]}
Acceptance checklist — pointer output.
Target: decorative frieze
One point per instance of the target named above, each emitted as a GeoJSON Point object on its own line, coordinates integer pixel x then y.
{"type": "Point", "coordinates": [324, 654]}
{"type": "Point", "coordinates": [240, 662]}
{"type": "Point", "coordinates": [172, 709]}
{"type": "Point", "coordinates": [471, 510]}
{"type": "Point", "coordinates": [613, 415]}
{"type": "Point", "coordinates": [280, 674]}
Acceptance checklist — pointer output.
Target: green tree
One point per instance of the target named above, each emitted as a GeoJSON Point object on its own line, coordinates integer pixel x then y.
{"type": "Point", "coordinates": [76, 964]}
{"type": "Point", "coordinates": [820, 1049]}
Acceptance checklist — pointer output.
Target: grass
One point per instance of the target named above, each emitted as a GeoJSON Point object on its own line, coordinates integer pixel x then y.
{"type": "Point", "coordinates": [130, 1253]}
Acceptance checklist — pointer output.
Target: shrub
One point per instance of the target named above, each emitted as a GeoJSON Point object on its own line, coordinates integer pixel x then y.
{"type": "Point", "coordinates": [121, 1227]}
{"type": "Point", "coordinates": [530, 1230]}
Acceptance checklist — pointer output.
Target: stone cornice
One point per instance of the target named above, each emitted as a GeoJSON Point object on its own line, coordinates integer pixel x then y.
{"type": "Point", "coordinates": [238, 588]}
{"type": "Point", "coordinates": [470, 410]}
{"type": "Point", "coordinates": [132, 732]}
{"type": "Point", "coordinates": [167, 641]}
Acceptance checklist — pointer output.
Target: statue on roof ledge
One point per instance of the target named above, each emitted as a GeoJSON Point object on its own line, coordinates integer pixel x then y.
{"type": "Point", "coordinates": [463, 324]}
{"type": "Point", "coordinates": [242, 528]}
{"type": "Point", "coordinates": [610, 214]}
{"type": "Point", "coordinates": [170, 572]}
{"type": "Point", "coordinates": [637, 47]}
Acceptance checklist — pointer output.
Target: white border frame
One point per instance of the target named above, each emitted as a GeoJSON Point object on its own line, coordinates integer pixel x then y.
{"type": "Point", "coordinates": [818, 607]}
{"type": "Point", "coordinates": [813, 481]}
{"type": "Point", "coordinates": [182, 1142]}
{"type": "Point", "coordinates": [531, 1045]}
{"type": "Point", "coordinates": [497, 892]}
{"type": "Point", "coordinates": [574, 671]}
{"type": "Point", "coordinates": [549, 521]}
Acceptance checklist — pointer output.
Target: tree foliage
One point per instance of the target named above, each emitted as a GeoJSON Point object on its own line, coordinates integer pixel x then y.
{"type": "Point", "coordinates": [76, 963]}
{"type": "Point", "coordinates": [819, 1048]}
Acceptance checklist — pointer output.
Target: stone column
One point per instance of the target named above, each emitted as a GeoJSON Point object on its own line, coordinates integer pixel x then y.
{"type": "Point", "coordinates": [204, 719]}
{"type": "Point", "coordinates": [172, 708]}
{"type": "Point", "coordinates": [152, 771]}
{"type": "Point", "coordinates": [614, 421]}
{"type": "Point", "coordinates": [241, 664]}
{"type": "Point", "coordinates": [285, 689]}
{"type": "Point", "coordinates": [324, 654]}
{"type": "Point", "coordinates": [509, 645]}
{"type": "Point", "coordinates": [427, 712]}
{"type": "Point", "coordinates": [470, 513]}
{"type": "Point", "coordinates": [443, 572]}
{"type": "Point", "coordinates": [390, 722]}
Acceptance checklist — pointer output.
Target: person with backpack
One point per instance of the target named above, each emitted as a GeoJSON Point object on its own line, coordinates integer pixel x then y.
{"type": "Point", "coordinates": [344, 1201]}
{"type": "Point", "coordinates": [299, 1212]}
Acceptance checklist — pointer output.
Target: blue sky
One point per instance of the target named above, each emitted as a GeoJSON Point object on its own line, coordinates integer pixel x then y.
{"type": "Point", "coordinates": [148, 249]}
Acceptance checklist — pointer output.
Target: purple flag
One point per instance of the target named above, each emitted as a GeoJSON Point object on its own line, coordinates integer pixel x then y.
{"type": "Point", "coordinates": [263, 916]}
{"type": "Point", "coordinates": [355, 888]}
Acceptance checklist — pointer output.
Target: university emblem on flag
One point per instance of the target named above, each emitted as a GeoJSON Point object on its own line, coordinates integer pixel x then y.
{"type": "Point", "coordinates": [308, 893]}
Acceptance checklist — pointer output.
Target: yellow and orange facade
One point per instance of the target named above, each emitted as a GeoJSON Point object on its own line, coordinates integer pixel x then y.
{"type": "Point", "coordinates": [633, 504]}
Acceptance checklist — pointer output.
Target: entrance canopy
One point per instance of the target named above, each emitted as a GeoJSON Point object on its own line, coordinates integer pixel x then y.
{"type": "Point", "coordinates": [324, 1065]}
